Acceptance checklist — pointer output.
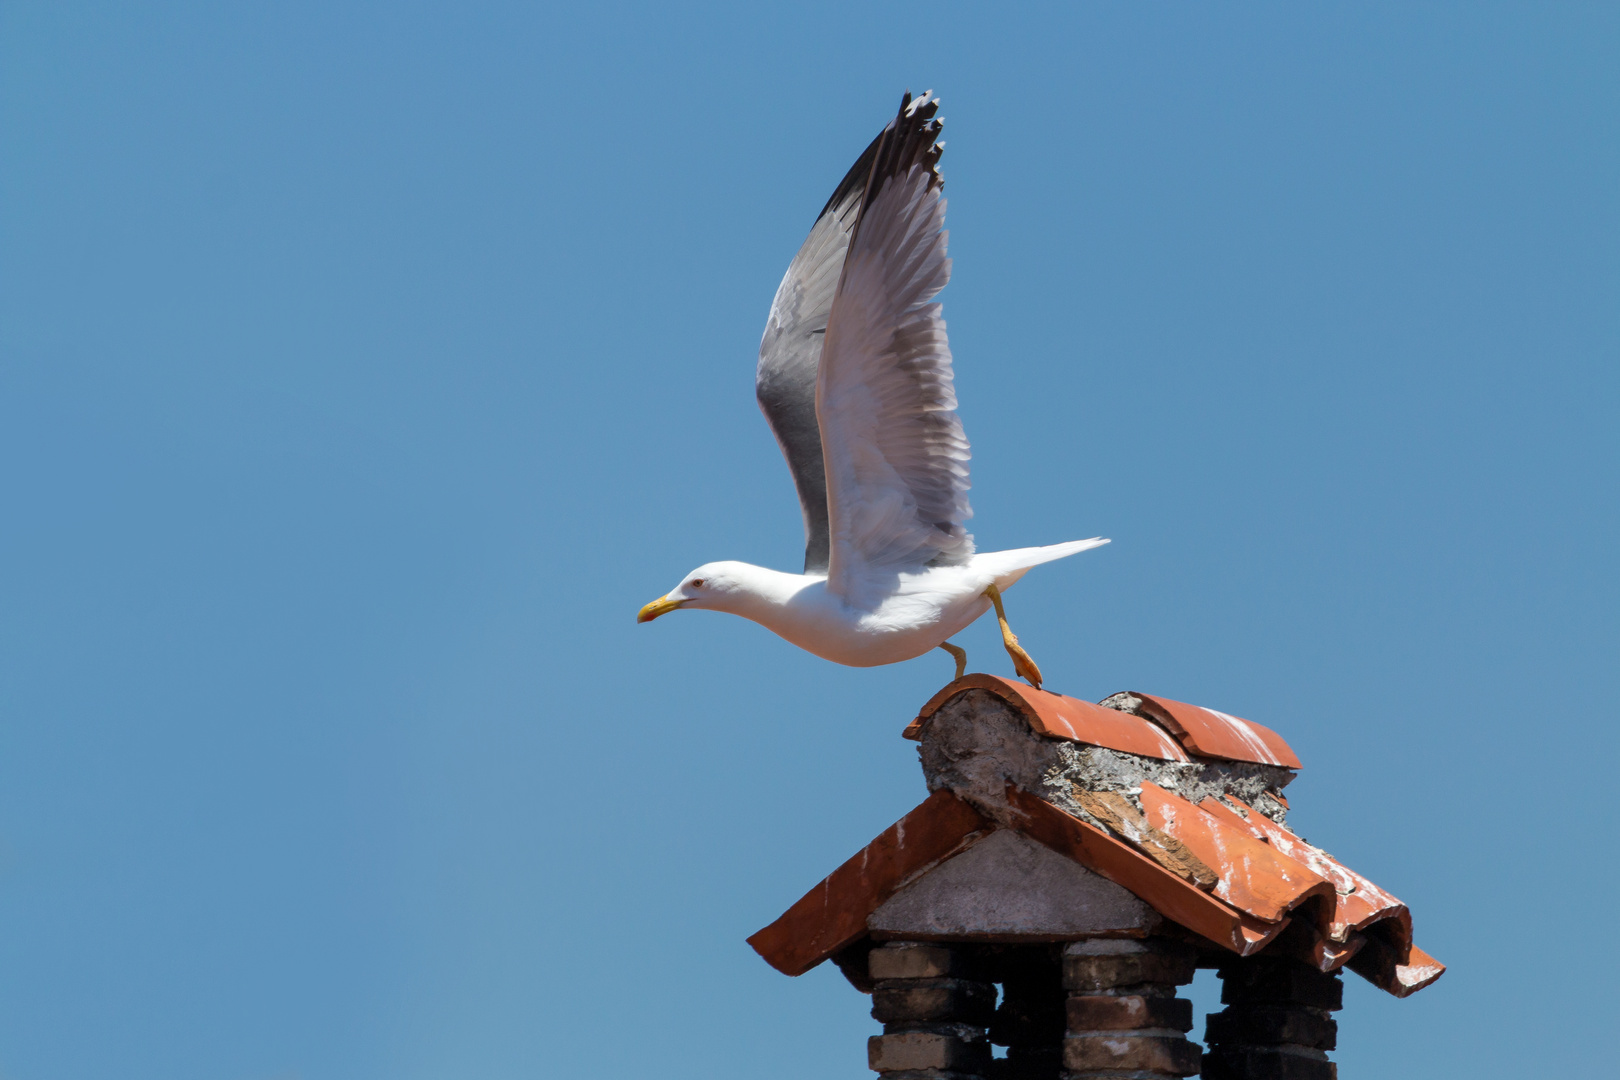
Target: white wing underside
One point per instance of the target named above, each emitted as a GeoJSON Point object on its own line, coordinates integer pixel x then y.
{"type": "Point", "coordinates": [896, 455]}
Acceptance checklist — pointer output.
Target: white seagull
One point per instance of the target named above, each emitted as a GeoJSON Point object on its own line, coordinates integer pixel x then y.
{"type": "Point", "coordinates": [855, 379]}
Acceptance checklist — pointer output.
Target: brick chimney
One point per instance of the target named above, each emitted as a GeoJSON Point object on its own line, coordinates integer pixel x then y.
{"type": "Point", "coordinates": [1072, 866]}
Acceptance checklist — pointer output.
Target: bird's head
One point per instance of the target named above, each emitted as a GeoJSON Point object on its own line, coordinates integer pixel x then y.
{"type": "Point", "coordinates": [713, 586]}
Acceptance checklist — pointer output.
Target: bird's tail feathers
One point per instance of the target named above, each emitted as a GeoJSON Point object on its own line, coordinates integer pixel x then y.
{"type": "Point", "coordinates": [1009, 566]}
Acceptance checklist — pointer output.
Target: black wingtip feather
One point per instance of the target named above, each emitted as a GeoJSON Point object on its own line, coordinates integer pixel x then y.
{"type": "Point", "coordinates": [912, 136]}
{"type": "Point", "coordinates": [856, 176]}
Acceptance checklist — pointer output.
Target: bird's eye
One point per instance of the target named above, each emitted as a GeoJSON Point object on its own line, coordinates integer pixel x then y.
{"type": "Point", "coordinates": [697, 583]}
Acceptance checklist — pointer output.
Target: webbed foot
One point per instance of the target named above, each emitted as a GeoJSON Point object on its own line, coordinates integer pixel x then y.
{"type": "Point", "coordinates": [1023, 663]}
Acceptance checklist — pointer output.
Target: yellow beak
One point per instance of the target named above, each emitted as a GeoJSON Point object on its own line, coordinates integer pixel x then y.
{"type": "Point", "coordinates": [662, 606]}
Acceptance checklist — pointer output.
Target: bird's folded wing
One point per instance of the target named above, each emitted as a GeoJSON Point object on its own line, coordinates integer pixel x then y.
{"type": "Point", "coordinates": [790, 352]}
{"type": "Point", "coordinates": [896, 455]}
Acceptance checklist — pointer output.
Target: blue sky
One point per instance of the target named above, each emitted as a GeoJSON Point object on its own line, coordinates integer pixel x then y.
{"type": "Point", "coordinates": [363, 368]}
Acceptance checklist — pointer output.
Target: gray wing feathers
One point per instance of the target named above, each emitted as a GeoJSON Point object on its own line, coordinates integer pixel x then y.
{"type": "Point", "coordinates": [790, 353]}
{"type": "Point", "coordinates": [897, 456]}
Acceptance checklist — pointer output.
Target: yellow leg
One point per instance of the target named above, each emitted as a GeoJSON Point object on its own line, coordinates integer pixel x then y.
{"type": "Point", "coordinates": [960, 654]}
{"type": "Point", "coordinates": [1022, 663]}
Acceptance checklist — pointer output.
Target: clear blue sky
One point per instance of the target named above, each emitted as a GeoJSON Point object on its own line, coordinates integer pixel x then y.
{"type": "Point", "coordinates": [363, 368]}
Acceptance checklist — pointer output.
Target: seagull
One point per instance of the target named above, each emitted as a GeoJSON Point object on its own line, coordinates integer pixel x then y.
{"type": "Point", "coordinates": [855, 380]}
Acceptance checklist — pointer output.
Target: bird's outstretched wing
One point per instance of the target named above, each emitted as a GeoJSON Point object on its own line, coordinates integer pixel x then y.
{"type": "Point", "coordinates": [896, 456]}
{"type": "Point", "coordinates": [790, 351]}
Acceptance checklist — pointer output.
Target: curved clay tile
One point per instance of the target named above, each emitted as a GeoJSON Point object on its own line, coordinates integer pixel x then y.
{"type": "Point", "coordinates": [1167, 893]}
{"type": "Point", "coordinates": [1062, 717]}
{"type": "Point", "coordinates": [1212, 733]}
{"type": "Point", "coordinates": [833, 914]}
{"type": "Point", "coordinates": [1253, 876]}
{"type": "Point", "coordinates": [1358, 903]}
{"type": "Point", "coordinates": [1220, 869]}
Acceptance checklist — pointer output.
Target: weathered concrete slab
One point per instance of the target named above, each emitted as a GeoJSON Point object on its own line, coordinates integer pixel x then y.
{"type": "Point", "coordinates": [1006, 887]}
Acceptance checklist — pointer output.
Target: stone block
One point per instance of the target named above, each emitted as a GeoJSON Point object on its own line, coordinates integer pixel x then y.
{"type": "Point", "coordinates": [1260, 1063]}
{"type": "Point", "coordinates": [1008, 887]}
{"type": "Point", "coordinates": [1131, 1053]}
{"type": "Point", "coordinates": [934, 999]}
{"type": "Point", "coordinates": [1270, 1025]}
{"type": "Point", "coordinates": [1125, 1012]}
{"type": "Point", "coordinates": [916, 1050]}
{"type": "Point", "coordinates": [908, 960]}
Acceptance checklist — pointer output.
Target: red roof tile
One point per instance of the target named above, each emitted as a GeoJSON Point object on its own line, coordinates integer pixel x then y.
{"type": "Point", "coordinates": [1268, 879]}
{"type": "Point", "coordinates": [1399, 972]}
{"type": "Point", "coordinates": [1357, 902]}
{"type": "Point", "coordinates": [1419, 971]}
{"type": "Point", "coordinates": [1165, 892]}
{"type": "Point", "coordinates": [1253, 877]}
{"type": "Point", "coordinates": [1260, 892]}
{"type": "Point", "coordinates": [1211, 733]}
{"type": "Point", "coordinates": [1062, 717]}
{"type": "Point", "coordinates": [1327, 955]}
{"type": "Point", "coordinates": [833, 914]}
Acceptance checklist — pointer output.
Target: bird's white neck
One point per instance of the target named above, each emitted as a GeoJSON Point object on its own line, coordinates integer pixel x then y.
{"type": "Point", "coordinates": [763, 595]}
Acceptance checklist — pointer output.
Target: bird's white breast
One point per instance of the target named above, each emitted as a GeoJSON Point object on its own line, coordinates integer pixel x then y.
{"type": "Point", "coordinates": [923, 609]}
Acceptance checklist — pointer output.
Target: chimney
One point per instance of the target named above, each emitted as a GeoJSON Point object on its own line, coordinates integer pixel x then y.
{"type": "Point", "coordinates": [1071, 867]}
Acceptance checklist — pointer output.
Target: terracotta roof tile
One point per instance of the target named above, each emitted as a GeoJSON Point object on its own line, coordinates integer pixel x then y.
{"type": "Point", "coordinates": [1253, 876]}
{"type": "Point", "coordinates": [1382, 965]}
{"type": "Point", "coordinates": [1358, 903]}
{"type": "Point", "coordinates": [1419, 971]}
{"type": "Point", "coordinates": [833, 914]}
{"type": "Point", "coordinates": [1062, 717]}
{"type": "Point", "coordinates": [1166, 892]}
{"type": "Point", "coordinates": [1331, 956]}
{"type": "Point", "coordinates": [1211, 733]}
{"type": "Point", "coordinates": [1369, 930]}
{"type": "Point", "coordinates": [1268, 880]}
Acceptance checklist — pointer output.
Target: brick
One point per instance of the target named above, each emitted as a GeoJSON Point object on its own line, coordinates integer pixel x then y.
{"type": "Point", "coordinates": [1256, 1063]}
{"type": "Point", "coordinates": [1141, 1053]}
{"type": "Point", "coordinates": [1269, 1025]}
{"type": "Point", "coordinates": [1124, 1012]}
{"type": "Point", "coordinates": [912, 1050]}
{"type": "Point", "coordinates": [965, 1032]}
{"type": "Point", "coordinates": [908, 961]}
{"type": "Point", "coordinates": [1284, 982]}
{"type": "Point", "coordinates": [934, 999]}
{"type": "Point", "coordinates": [1107, 972]}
